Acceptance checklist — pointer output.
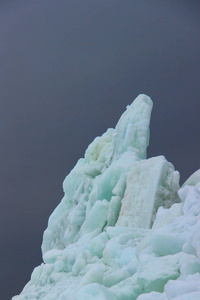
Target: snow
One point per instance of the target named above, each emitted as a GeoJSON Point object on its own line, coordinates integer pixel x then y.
{"type": "Point", "coordinates": [124, 229]}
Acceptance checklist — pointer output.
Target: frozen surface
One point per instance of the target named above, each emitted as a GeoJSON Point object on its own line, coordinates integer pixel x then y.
{"type": "Point", "coordinates": [124, 229]}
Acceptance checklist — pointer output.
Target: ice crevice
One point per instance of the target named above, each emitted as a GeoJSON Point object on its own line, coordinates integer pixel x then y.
{"type": "Point", "coordinates": [124, 229]}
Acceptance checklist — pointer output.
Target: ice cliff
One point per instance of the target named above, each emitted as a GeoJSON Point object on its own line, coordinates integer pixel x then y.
{"type": "Point", "coordinates": [125, 229]}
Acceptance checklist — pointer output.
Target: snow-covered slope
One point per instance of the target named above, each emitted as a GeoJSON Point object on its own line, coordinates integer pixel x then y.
{"type": "Point", "coordinates": [124, 229]}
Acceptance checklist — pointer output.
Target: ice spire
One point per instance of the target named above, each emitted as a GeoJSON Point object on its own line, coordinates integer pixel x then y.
{"type": "Point", "coordinates": [99, 181]}
{"type": "Point", "coordinates": [105, 239]}
{"type": "Point", "coordinates": [132, 129]}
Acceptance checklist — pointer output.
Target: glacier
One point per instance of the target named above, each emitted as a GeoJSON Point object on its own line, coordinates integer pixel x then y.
{"type": "Point", "coordinates": [124, 229]}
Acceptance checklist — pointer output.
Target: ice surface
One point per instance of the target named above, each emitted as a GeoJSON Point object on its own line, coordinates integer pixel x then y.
{"type": "Point", "coordinates": [150, 184]}
{"type": "Point", "coordinates": [193, 179]}
{"type": "Point", "coordinates": [124, 229]}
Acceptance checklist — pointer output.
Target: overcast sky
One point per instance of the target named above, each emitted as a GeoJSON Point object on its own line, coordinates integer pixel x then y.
{"type": "Point", "coordinates": [68, 69]}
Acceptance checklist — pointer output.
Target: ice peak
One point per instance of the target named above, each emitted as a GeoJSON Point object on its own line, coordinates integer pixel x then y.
{"type": "Point", "coordinates": [118, 232]}
{"type": "Point", "coordinates": [132, 129]}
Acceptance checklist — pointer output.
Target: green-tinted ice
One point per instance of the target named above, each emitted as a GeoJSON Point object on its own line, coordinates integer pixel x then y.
{"type": "Point", "coordinates": [121, 231]}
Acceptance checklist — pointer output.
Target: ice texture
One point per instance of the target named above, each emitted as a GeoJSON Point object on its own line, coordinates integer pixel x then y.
{"type": "Point", "coordinates": [124, 229]}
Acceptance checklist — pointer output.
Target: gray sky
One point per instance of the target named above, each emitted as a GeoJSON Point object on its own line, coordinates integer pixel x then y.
{"type": "Point", "coordinates": [68, 71]}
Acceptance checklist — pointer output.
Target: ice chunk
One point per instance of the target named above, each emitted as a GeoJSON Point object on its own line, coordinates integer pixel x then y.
{"type": "Point", "coordinates": [97, 217]}
{"type": "Point", "coordinates": [94, 291]}
{"type": "Point", "coordinates": [155, 272]}
{"type": "Point", "coordinates": [150, 184]}
{"type": "Point", "coordinates": [180, 287]}
{"type": "Point", "coordinates": [153, 296]}
{"type": "Point", "coordinates": [98, 243]}
{"type": "Point", "coordinates": [193, 179]}
{"type": "Point", "coordinates": [51, 256]}
{"type": "Point", "coordinates": [94, 275]}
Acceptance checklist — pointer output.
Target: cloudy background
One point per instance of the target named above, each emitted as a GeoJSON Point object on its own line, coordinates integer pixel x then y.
{"type": "Point", "coordinates": [68, 69]}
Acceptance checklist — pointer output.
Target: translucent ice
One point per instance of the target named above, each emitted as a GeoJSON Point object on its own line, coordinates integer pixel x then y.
{"type": "Point", "coordinates": [124, 229]}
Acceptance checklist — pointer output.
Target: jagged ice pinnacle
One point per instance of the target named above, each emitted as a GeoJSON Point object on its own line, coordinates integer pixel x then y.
{"type": "Point", "coordinates": [124, 229]}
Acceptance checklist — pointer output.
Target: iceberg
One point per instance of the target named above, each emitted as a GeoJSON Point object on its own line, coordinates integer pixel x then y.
{"type": "Point", "coordinates": [124, 229]}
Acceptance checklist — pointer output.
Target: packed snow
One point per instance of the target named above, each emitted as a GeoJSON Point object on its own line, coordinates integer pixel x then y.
{"type": "Point", "coordinates": [124, 229]}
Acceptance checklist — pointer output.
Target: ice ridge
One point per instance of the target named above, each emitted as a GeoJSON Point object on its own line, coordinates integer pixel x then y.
{"type": "Point", "coordinates": [124, 229]}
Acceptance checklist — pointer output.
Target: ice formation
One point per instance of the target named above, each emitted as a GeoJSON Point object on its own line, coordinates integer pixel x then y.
{"type": "Point", "coordinates": [125, 229]}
